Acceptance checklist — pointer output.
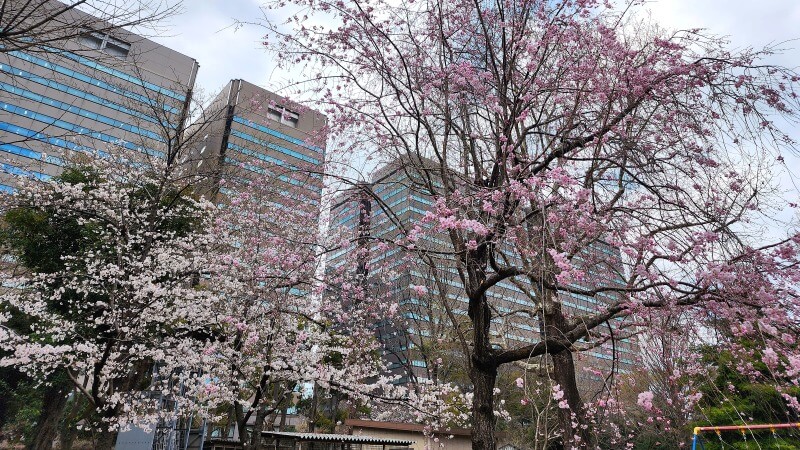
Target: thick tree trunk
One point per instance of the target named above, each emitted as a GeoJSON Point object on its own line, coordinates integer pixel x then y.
{"type": "Point", "coordinates": [483, 369]}
{"type": "Point", "coordinates": [54, 400]}
{"type": "Point", "coordinates": [483, 380]}
{"type": "Point", "coordinates": [106, 440]}
{"type": "Point", "coordinates": [563, 374]}
{"type": "Point", "coordinates": [254, 443]}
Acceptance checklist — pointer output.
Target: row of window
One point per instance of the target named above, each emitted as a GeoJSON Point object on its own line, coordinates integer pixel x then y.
{"type": "Point", "coordinates": [78, 130]}
{"type": "Point", "coordinates": [30, 154]}
{"type": "Point", "coordinates": [424, 201]}
{"type": "Point", "coordinates": [275, 147]}
{"type": "Point", "coordinates": [283, 115]}
{"type": "Point", "coordinates": [93, 81]}
{"type": "Point", "coordinates": [610, 358]}
{"type": "Point", "coordinates": [19, 73]}
{"type": "Point", "coordinates": [66, 107]}
{"type": "Point", "coordinates": [262, 171]}
{"type": "Point", "coordinates": [105, 43]}
{"type": "Point", "coordinates": [392, 193]}
{"type": "Point", "coordinates": [29, 134]}
{"type": "Point", "coordinates": [14, 170]}
{"type": "Point", "coordinates": [267, 158]}
{"type": "Point", "coordinates": [120, 74]}
{"type": "Point", "coordinates": [277, 134]}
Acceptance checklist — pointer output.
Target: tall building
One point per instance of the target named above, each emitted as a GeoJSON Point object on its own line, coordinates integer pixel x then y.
{"type": "Point", "coordinates": [421, 288]}
{"type": "Point", "coordinates": [99, 89]}
{"type": "Point", "coordinates": [249, 130]}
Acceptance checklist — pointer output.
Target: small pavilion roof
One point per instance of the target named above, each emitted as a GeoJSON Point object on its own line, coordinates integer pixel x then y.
{"type": "Point", "coordinates": [348, 438]}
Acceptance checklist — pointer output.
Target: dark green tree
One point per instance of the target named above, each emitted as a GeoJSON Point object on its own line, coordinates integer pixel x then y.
{"type": "Point", "coordinates": [731, 398]}
{"type": "Point", "coordinates": [37, 240]}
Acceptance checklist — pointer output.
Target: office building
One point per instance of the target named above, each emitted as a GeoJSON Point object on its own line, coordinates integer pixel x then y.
{"type": "Point", "coordinates": [409, 342]}
{"type": "Point", "coordinates": [249, 131]}
{"type": "Point", "coordinates": [99, 90]}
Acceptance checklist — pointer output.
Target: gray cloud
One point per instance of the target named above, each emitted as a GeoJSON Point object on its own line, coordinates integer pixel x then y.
{"type": "Point", "coordinates": [205, 31]}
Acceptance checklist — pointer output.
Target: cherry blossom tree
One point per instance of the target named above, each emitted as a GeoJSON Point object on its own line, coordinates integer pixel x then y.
{"type": "Point", "coordinates": [121, 313]}
{"type": "Point", "coordinates": [578, 152]}
{"type": "Point", "coordinates": [211, 307]}
{"type": "Point", "coordinates": [286, 327]}
{"type": "Point", "coordinates": [215, 308]}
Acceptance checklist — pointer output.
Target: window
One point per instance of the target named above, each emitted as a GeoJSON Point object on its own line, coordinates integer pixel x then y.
{"type": "Point", "coordinates": [105, 43]}
{"type": "Point", "coordinates": [92, 39]}
{"type": "Point", "coordinates": [283, 115]}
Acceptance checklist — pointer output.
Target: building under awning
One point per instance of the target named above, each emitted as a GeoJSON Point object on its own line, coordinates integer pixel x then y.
{"type": "Point", "coordinates": [280, 440]}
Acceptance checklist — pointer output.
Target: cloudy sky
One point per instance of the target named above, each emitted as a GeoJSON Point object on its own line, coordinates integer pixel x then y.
{"type": "Point", "coordinates": [205, 32]}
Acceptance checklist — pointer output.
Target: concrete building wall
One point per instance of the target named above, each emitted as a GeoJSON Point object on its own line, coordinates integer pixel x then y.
{"type": "Point", "coordinates": [83, 98]}
{"type": "Point", "coordinates": [255, 130]}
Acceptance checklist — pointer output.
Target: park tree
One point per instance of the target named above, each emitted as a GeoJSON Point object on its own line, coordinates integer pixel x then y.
{"type": "Point", "coordinates": [163, 153]}
{"type": "Point", "coordinates": [577, 151]}
{"type": "Point", "coordinates": [131, 284]}
{"type": "Point", "coordinates": [288, 325]}
{"type": "Point", "coordinates": [654, 405]}
{"type": "Point", "coordinates": [121, 310]}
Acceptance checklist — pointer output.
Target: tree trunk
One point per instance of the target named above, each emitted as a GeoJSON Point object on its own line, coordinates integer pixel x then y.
{"type": "Point", "coordinates": [563, 374]}
{"type": "Point", "coordinates": [483, 380]}
{"type": "Point", "coordinates": [254, 442]}
{"type": "Point", "coordinates": [312, 416]}
{"type": "Point", "coordinates": [54, 399]}
{"type": "Point", "coordinates": [106, 440]}
{"type": "Point", "coordinates": [241, 424]}
{"type": "Point", "coordinates": [78, 407]}
{"type": "Point", "coordinates": [282, 426]}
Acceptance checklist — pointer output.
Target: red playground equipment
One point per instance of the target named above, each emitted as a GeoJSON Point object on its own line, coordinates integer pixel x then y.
{"type": "Point", "coordinates": [741, 428]}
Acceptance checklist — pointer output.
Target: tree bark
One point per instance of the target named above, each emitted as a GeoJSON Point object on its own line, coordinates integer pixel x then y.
{"type": "Point", "coordinates": [483, 380]}
{"type": "Point", "coordinates": [282, 426]}
{"type": "Point", "coordinates": [77, 408]}
{"type": "Point", "coordinates": [106, 440]}
{"type": "Point", "coordinates": [563, 374]}
{"type": "Point", "coordinates": [254, 442]}
{"type": "Point", "coordinates": [241, 423]}
{"type": "Point", "coordinates": [54, 400]}
{"type": "Point", "coordinates": [312, 416]}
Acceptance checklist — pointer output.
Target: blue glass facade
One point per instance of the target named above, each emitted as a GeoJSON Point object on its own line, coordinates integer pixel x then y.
{"type": "Point", "coordinates": [77, 93]}
{"type": "Point", "coordinates": [84, 78]}
{"type": "Point", "coordinates": [74, 130]}
{"type": "Point", "coordinates": [70, 102]}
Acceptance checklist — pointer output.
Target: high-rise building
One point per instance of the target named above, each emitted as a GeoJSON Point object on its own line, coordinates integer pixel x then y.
{"type": "Point", "coordinates": [97, 90]}
{"type": "Point", "coordinates": [249, 130]}
{"type": "Point", "coordinates": [420, 288]}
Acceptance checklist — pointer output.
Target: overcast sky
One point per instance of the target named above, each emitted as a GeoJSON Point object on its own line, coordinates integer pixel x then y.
{"type": "Point", "coordinates": [204, 31]}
